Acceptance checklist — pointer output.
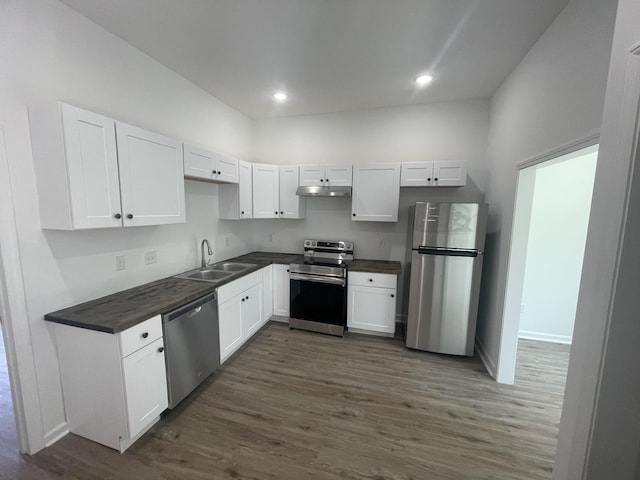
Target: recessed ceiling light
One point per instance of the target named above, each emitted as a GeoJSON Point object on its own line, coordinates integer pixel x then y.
{"type": "Point", "coordinates": [280, 97]}
{"type": "Point", "coordinates": [423, 80]}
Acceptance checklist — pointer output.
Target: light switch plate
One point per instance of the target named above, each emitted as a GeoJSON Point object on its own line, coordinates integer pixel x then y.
{"type": "Point", "coordinates": [120, 264]}
{"type": "Point", "coordinates": [150, 257]}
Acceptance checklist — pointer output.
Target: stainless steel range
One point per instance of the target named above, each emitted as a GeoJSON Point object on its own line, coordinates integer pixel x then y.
{"type": "Point", "coordinates": [318, 299]}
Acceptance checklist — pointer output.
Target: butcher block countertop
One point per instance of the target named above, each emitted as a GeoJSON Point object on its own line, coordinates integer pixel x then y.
{"type": "Point", "coordinates": [119, 311]}
{"type": "Point", "coordinates": [375, 266]}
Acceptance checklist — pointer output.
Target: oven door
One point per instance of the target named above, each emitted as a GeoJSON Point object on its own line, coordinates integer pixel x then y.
{"type": "Point", "coordinates": [318, 298]}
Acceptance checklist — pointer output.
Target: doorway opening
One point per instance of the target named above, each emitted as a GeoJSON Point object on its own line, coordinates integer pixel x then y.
{"type": "Point", "coordinates": [9, 444]}
{"type": "Point", "coordinates": [551, 217]}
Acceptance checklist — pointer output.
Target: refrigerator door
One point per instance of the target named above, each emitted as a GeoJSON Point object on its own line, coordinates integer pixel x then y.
{"type": "Point", "coordinates": [443, 303]}
{"type": "Point", "coordinates": [450, 225]}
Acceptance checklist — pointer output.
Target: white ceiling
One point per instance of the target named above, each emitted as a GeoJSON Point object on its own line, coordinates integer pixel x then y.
{"type": "Point", "coordinates": [330, 55]}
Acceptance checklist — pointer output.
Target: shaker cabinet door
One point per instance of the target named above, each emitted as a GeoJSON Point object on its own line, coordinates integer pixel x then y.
{"type": "Point", "coordinates": [151, 177]}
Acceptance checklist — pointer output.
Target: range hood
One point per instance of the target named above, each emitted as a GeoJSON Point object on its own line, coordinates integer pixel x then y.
{"type": "Point", "coordinates": [324, 191]}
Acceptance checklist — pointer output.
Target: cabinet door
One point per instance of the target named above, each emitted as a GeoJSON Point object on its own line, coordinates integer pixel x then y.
{"type": "Point", "coordinates": [92, 166]}
{"type": "Point", "coordinates": [226, 169]}
{"type": "Point", "coordinates": [199, 163]}
{"type": "Point", "coordinates": [291, 205]}
{"type": "Point", "coordinates": [311, 175]}
{"type": "Point", "coordinates": [145, 385]}
{"type": "Point", "coordinates": [265, 191]}
{"type": "Point", "coordinates": [151, 177]}
{"type": "Point", "coordinates": [416, 174]}
{"type": "Point", "coordinates": [251, 302]}
{"type": "Point", "coordinates": [376, 192]}
{"type": "Point", "coordinates": [338, 175]}
{"type": "Point", "coordinates": [245, 190]}
{"type": "Point", "coordinates": [370, 308]}
{"type": "Point", "coordinates": [267, 292]}
{"type": "Point", "coordinates": [450, 174]}
{"type": "Point", "coordinates": [281, 288]}
{"type": "Point", "coordinates": [230, 323]}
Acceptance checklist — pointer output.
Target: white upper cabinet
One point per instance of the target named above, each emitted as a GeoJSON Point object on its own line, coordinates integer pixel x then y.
{"type": "Point", "coordinates": [92, 175]}
{"type": "Point", "coordinates": [326, 175]}
{"type": "Point", "coordinates": [265, 191]}
{"type": "Point", "coordinates": [433, 174]}
{"type": "Point", "coordinates": [235, 201]}
{"type": "Point", "coordinates": [449, 174]}
{"type": "Point", "coordinates": [376, 192]}
{"type": "Point", "coordinates": [291, 205]}
{"type": "Point", "coordinates": [202, 164]}
{"type": "Point", "coordinates": [151, 177]}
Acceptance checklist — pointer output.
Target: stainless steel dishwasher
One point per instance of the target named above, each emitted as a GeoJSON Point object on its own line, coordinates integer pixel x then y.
{"type": "Point", "coordinates": [192, 346]}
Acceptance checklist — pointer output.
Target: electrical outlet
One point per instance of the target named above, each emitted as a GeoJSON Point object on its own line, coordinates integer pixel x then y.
{"type": "Point", "coordinates": [120, 262]}
{"type": "Point", "coordinates": [522, 307]}
{"type": "Point", "coordinates": [150, 257]}
{"type": "Point", "coordinates": [270, 238]}
{"type": "Point", "coordinates": [381, 243]}
{"type": "Point", "coordinates": [226, 241]}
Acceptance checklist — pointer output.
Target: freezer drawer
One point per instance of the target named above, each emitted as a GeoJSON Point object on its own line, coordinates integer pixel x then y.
{"type": "Point", "coordinates": [443, 303]}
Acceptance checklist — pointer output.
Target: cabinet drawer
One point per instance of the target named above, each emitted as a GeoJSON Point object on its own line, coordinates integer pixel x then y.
{"type": "Point", "coordinates": [372, 279]}
{"type": "Point", "coordinates": [230, 290]}
{"type": "Point", "coordinates": [138, 336]}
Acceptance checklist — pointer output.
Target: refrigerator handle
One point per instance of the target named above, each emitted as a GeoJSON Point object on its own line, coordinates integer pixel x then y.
{"type": "Point", "coordinates": [449, 252]}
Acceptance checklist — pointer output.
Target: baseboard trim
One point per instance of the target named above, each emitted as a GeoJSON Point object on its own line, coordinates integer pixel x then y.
{"type": "Point", "coordinates": [545, 337]}
{"type": "Point", "coordinates": [486, 359]}
{"type": "Point", "coordinates": [55, 434]}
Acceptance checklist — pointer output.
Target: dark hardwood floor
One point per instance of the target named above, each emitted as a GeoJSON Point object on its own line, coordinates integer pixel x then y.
{"type": "Point", "coordinates": [299, 405]}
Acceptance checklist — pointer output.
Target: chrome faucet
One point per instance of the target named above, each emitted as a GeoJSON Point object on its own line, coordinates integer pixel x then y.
{"type": "Point", "coordinates": [209, 251]}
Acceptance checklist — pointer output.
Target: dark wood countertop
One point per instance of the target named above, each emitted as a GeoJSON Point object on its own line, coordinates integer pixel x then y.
{"type": "Point", "coordinates": [119, 311]}
{"type": "Point", "coordinates": [376, 266]}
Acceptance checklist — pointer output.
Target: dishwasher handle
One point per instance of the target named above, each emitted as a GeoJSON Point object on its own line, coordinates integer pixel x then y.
{"type": "Point", "coordinates": [190, 309]}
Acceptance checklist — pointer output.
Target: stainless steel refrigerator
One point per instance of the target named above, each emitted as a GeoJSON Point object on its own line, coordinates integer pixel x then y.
{"type": "Point", "coordinates": [447, 246]}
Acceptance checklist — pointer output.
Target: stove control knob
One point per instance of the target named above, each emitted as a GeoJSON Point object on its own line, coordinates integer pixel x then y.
{"type": "Point", "coordinates": [313, 244]}
{"type": "Point", "coordinates": [307, 243]}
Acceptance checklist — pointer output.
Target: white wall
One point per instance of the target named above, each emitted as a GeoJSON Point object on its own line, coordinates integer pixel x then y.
{"type": "Point", "coordinates": [599, 433]}
{"type": "Point", "coordinates": [557, 234]}
{"type": "Point", "coordinates": [49, 53]}
{"type": "Point", "coordinates": [446, 131]}
{"type": "Point", "coordinates": [554, 97]}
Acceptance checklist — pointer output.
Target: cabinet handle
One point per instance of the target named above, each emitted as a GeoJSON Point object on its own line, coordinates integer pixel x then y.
{"type": "Point", "coordinates": [371, 279]}
{"type": "Point", "coordinates": [145, 334]}
{"type": "Point", "coordinates": [242, 212]}
{"type": "Point", "coordinates": [321, 180]}
{"type": "Point", "coordinates": [392, 295]}
{"type": "Point", "coordinates": [354, 214]}
{"type": "Point", "coordinates": [214, 172]}
{"type": "Point", "coordinates": [129, 216]}
{"type": "Point", "coordinates": [161, 349]}
{"type": "Point", "coordinates": [219, 172]}
{"type": "Point", "coordinates": [327, 179]}
{"type": "Point", "coordinates": [281, 213]}
{"type": "Point", "coordinates": [435, 179]}
{"type": "Point", "coordinates": [276, 212]}
{"type": "Point", "coordinates": [429, 179]}
{"type": "Point", "coordinates": [287, 269]}
{"type": "Point", "coordinates": [247, 298]}
{"type": "Point", "coordinates": [243, 299]}
{"type": "Point", "coordinates": [118, 216]}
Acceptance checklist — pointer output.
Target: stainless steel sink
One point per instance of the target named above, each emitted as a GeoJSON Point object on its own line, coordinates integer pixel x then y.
{"type": "Point", "coordinates": [216, 272]}
{"type": "Point", "coordinates": [231, 266]}
{"type": "Point", "coordinates": [205, 275]}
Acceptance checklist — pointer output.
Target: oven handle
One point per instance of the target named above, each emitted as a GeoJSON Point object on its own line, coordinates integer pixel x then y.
{"type": "Point", "coordinates": [317, 279]}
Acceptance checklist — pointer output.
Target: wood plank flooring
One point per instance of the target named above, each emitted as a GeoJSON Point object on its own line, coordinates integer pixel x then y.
{"type": "Point", "coordinates": [299, 405]}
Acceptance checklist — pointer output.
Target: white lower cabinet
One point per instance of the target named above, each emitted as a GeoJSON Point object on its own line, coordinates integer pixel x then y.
{"type": "Point", "coordinates": [267, 293]}
{"type": "Point", "coordinates": [281, 291]}
{"type": "Point", "coordinates": [240, 314]}
{"type": "Point", "coordinates": [371, 303]}
{"type": "Point", "coordinates": [114, 385]}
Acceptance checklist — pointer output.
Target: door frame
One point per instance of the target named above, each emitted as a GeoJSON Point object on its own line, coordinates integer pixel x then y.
{"type": "Point", "coordinates": [506, 366]}
{"type": "Point", "coordinates": [15, 324]}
